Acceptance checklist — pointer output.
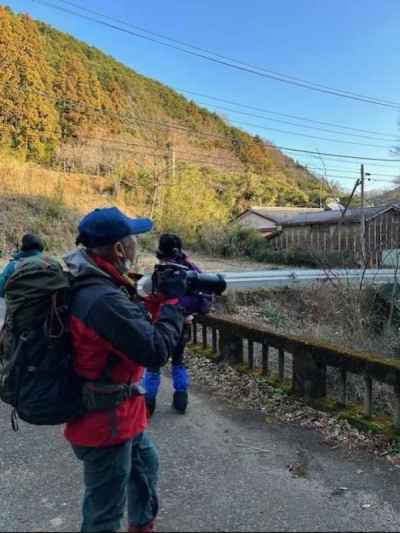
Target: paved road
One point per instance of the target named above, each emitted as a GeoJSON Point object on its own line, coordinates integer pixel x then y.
{"type": "Point", "coordinates": [222, 470]}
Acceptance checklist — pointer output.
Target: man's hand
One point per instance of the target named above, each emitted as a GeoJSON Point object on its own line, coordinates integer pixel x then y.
{"type": "Point", "coordinates": [171, 283]}
{"type": "Point", "coordinates": [189, 320]}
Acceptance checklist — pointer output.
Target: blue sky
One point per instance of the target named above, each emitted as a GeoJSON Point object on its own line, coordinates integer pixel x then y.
{"type": "Point", "coordinates": [348, 44]}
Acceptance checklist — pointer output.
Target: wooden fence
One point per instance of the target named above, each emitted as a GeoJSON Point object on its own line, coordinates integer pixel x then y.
{"type": "Point", "coordinates": [236, 342]}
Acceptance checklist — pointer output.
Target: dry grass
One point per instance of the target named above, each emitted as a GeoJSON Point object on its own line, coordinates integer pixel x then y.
{"type": "Point", "coordinates": [341, 314]}
{"type": "Point", "coordinates": [33, 198]}
{"type": "Point", "coordinates": [78, 191]}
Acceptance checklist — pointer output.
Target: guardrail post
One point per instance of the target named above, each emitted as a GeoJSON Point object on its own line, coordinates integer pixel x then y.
{"type": "Point", "coordinates": [396, 407]}
{"type": "Point", "coordinates": [309, 375]}
{"type": "Point", "coordinates": [194, 332]}
{"type": "Point", "coordinates": [230, 347]}
{"type": "Point", "coordinates": [204, 335]}
{"type": "Point", "coordinates": [368, 396]}
{"type": "Point", "coordinates": [250, 352]}
{"type": "Point", "coordinates": [214, 339]}
{"type": "Point", "coordinates": [281, 365]}
{"type": "Point", "coordinates": [265, 359]}
{"type": "Point", "coordinates": [342, 396]}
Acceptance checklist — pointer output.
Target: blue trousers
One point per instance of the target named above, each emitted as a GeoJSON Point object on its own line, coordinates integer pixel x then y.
{"type": "Point", "coordinates": [114, 476]}
{"type": "Point", "coordinates": [180, 374]}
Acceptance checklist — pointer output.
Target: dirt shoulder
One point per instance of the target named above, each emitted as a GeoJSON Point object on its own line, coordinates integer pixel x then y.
{"type": "Point", "coordinates": [147, 261]}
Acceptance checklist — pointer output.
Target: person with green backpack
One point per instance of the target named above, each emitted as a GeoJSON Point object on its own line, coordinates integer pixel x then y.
{"type": "Point", "coordinates": [31, 246]}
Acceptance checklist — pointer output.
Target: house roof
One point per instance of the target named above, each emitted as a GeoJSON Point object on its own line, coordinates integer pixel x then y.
{"type": "Point", "coordinates": [280, 214]}
{"type": "Point", "coordinates": [331, 217]}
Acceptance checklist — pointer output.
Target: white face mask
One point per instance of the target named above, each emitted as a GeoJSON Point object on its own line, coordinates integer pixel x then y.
{"type": "Point", "coordinates": [126, 263]}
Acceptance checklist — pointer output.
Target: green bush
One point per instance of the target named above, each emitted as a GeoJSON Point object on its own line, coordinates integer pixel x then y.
{"type": "Point", "coordinates": [222, 241]}
{"type": "Point", "coordinates": [237, 241]}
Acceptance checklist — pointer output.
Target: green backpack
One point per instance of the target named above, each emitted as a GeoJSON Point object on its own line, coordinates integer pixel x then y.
{"type": "Point", "coordinates": [36, 375]}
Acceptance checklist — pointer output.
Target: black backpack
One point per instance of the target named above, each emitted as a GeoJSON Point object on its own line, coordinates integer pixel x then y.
{"type": "Point", "coordinates": [36, 374]}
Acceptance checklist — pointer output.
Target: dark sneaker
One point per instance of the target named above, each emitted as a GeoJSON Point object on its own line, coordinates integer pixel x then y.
{"type": "Point", "coordinates": [151, 406]}
{"type": "Point", "coordinates": [180, 401]}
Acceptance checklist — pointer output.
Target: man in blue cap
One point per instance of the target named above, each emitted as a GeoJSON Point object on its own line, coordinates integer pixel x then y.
{"type": "Point", "coordinates": [113, 341]}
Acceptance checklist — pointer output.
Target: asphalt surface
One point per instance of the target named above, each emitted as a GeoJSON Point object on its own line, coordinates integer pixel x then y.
{"type": "Point", "coordinates": [222, 469]}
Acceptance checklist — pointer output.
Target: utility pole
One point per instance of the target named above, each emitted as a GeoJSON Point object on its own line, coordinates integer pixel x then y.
{"type": "Point", "coordinates": [362, 216]}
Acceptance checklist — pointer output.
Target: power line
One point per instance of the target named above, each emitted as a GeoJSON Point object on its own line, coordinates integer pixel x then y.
{"type": "Point", "coordinates": [156, 124]}
{"type": "Point", "coordinates": [259, 126]}
{"type": "Point", "coordinates": [151, 149]}
{"type": "Point", "coordinates": [355, 178]}
{"type": "Point", "coordinates": [347, 170]}
{"type": "Point", "coordinates": [208, 160]}
{"type": "Point", "coordinates": [217, 161]}
{"type": "Point", "coordinates": [287, 132]}
{"type": "Point", "coordinates": [157, 148]}
{"type": "Point", "coordinates": [225, 61]}
{"type": "Point", "coordinates": [189, 159]}
{"type": "Point", "coordinates": [173, 126]}
{"type": "Point", "coordinates": [263, 117]}
{"type": "Point", "coordinates": [296, 117]}
{"type": "Point", "coordinates": [183, 128]}
{"type": "Point", "coordinates": [177, 151]}
{"type": "Point", "coordinates": [344, 156]}
{"type": "Point", "coordinates": [345, 162]}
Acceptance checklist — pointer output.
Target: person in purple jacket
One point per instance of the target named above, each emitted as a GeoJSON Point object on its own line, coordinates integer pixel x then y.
{"type": "Point", "coordinates": [170, 251]}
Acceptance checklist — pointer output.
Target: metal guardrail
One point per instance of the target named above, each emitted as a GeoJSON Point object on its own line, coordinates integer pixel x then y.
{"type": "Point", "coordinates": [301, 277]}
{"type": "Point", "coordinates": [309, 359]}
{"type": "Point", "coordinates": [291, 278]}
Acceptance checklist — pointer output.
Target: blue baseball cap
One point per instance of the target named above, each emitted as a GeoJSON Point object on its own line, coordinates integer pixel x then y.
{"type": "Point", "coordinates": [105, 226]}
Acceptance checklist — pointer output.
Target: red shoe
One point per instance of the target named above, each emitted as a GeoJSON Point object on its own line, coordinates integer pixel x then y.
{"type": "Point", "coordinates": [148, 528]}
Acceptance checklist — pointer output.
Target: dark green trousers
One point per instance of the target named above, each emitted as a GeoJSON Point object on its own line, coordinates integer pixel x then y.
{"type": "Point", "coordinates": [116, 476]}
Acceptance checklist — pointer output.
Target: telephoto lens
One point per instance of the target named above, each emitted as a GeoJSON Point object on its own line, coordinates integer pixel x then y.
{"type": "Point", "coordinates": [207, 283]}
{"type": "Point", "coordinates": [177, 280]}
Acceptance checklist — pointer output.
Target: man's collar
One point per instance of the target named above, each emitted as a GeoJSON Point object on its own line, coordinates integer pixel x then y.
{"type": "Point", "coordinates": [120, 279]}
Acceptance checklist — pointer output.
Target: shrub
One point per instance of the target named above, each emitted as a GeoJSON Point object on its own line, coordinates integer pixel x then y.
{"type": "Point", "coordinates": [237, 241]}
{"type": "Point", "coordinates": [224, 241]}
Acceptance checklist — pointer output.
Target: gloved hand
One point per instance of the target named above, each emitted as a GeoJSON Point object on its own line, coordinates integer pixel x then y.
{"type": "Point", "coordinates": [171, 283]}
{"type": "Point", "coordinates": [189, 320]}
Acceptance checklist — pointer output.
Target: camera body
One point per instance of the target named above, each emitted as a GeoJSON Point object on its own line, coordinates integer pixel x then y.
{"type": "Point", "coordinates": [176, 280]}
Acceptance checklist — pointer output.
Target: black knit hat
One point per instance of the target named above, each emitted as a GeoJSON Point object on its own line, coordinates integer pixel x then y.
{"type": "Point", "coordinates": [31, 242]}
{"type": "Point", "coordinates": [169, 245]}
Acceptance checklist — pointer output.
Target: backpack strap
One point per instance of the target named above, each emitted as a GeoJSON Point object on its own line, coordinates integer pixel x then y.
{"type": "Point", "coordinates": [56, 326]}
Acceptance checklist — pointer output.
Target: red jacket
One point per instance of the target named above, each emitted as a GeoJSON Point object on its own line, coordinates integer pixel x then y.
{"type": "Point", "coordinates": [155, 302]}
{"type": "Point", "coordinates": [106, 327]}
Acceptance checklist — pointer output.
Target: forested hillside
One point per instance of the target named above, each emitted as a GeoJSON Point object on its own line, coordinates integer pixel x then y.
{"type": "Point", "coordinates": [71, 107]}
{"type": "Point", "coordinates": [385, 197]}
